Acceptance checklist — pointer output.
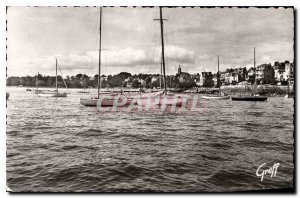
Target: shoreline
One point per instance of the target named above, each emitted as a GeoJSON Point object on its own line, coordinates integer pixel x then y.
{"type": "Point", "coordinates": [264, 90]}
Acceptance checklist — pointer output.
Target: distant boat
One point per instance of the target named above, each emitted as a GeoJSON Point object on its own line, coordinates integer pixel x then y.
{"type": "Point", "coordinates": [37, 90]}
{"type": "Point", "coordinates": [249, 98]}
{"type": "Point", "coordinates": [216, 97]}
{"type": "Point", "coordinates": [51, 94]}
{"type": "Point", "coordinates": [220, 96]}
{"type": "Point", "coordinates": [161, 98]}
{"type": "Point", "coordinates": [84, 90]}
{"type": "Point", "coordinates": [252, 97]}
{"type": "Point", "coordinates": [103, 99]}
{"type": "Point", "coordinates": [289, 93]}
{"type": "Point", "coordinates": [55, 93]}
{"type": "Point", "coordinates": [7, 95]}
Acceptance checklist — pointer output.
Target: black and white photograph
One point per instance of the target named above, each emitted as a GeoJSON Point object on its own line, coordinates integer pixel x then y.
{"type": "Point", "coordinates": [157, 99]}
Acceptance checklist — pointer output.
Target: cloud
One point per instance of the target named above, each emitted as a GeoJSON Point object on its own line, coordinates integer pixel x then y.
{"type": "Point", "coordinates": [194, 37]}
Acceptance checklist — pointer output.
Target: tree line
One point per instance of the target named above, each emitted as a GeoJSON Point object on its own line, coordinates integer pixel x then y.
{"type": "Point", "coordinates": [122, 79]}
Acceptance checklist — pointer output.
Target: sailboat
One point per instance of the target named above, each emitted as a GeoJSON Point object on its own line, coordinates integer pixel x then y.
{"type": "Point", "coordinates": [104, 100]}
{"type": "Point", "coordinates": [253, 97]}
{"type": "Point", "coordinates": [56, 92]}
{"type": "Point", "coordinates": [220, 96]}
{"type": "Point", "coordinates": [161, 98]}
{"type": "Point", "coordinates": [85, 90]}
{"type": "Point", "coordinates": [36, 91]}
{"type": "Point", "coordinates": [289, 93]}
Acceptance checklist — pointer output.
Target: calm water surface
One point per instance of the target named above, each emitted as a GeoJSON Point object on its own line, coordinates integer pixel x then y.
{"type": "Point", "coordinates": [54, 144]}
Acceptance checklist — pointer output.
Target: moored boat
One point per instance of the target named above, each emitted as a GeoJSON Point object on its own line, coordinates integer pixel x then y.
{"type": "Point", "coordinates": [105, 100]}
{"type": "Point", "coordinates": [7, 95]}
{"type": "Point", "coordinates": [160, 99]}
{"type": "Point", "coordinates": [64, 94]}
{"type": "Point", "coordinates": [216, 97]}
{"type": "Point", "coordinates": [83, 92]}
{"type": "Point", "coordinates": [289, 96]}
{"type": "Point", "coordinates": [220, 96]}
{"type": "Point", "coordinates": [36, 90]}
{"type": "Point", "coordinates": [54, 93]}
{"type": "Point", "coordinates": [253, 96]}
{"type": "Point", "coordinates": [49, 94]}
{"type": "Point", "coordinates": [289, 93]}
{"type": "Point", "coordinates": [249, 98]}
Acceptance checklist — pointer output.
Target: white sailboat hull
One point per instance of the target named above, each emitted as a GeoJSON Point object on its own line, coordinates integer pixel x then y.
{"type": "Point", "coordinates": [56, 95]}
{"type": "Point", "coordinates": [160, 99]}
{"type": "Point", "coordinates": [40, 91]}
{"type": "Point", "coordinates": [216, 97]}
{"type": "Point", "coordinates": [106, 102]}
{"type": "Point", "coordinates": [59, 95]}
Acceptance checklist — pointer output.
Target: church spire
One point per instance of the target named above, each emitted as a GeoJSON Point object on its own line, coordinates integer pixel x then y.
{"type": "Point", "coordinates": [179, 70]}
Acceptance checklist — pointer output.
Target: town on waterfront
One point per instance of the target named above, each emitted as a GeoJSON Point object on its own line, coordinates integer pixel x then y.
{"type": "Point", "coordinates": [279, 75]}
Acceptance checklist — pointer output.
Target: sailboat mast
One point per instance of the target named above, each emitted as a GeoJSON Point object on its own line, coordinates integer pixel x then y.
{"type": "Point", "coordinates": [56, 77]}
{"type": "Point", "coordinates": [36, 81]}
{"type": "Point", "coordinates": [162, 49]}
{"type": "Point", "coordinates": [255, 83]}
{"type": "Point", "coordinates": [160, 76]}
{"type": "Point", "coordinates": [99, 72]}
{"type": "Point", "coordinates": [288, 86]}
{"type": "Point", "coordinates": [218, 78]}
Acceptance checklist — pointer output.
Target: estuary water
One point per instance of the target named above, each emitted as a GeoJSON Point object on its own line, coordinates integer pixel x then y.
{"type": "Point", "coordinates": [57, 145]}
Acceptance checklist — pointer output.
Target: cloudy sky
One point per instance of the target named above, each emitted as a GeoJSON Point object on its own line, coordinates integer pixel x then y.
{"type": "Point", "coordinates": [194, 37]}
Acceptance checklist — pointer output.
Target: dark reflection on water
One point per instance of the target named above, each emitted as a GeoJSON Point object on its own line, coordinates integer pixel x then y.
{"type": "Point", "coordinates": [54, 144]}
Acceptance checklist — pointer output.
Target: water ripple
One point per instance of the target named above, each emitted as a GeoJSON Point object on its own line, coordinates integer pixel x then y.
{"type": "Point", "coordinates": [58, 145]}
